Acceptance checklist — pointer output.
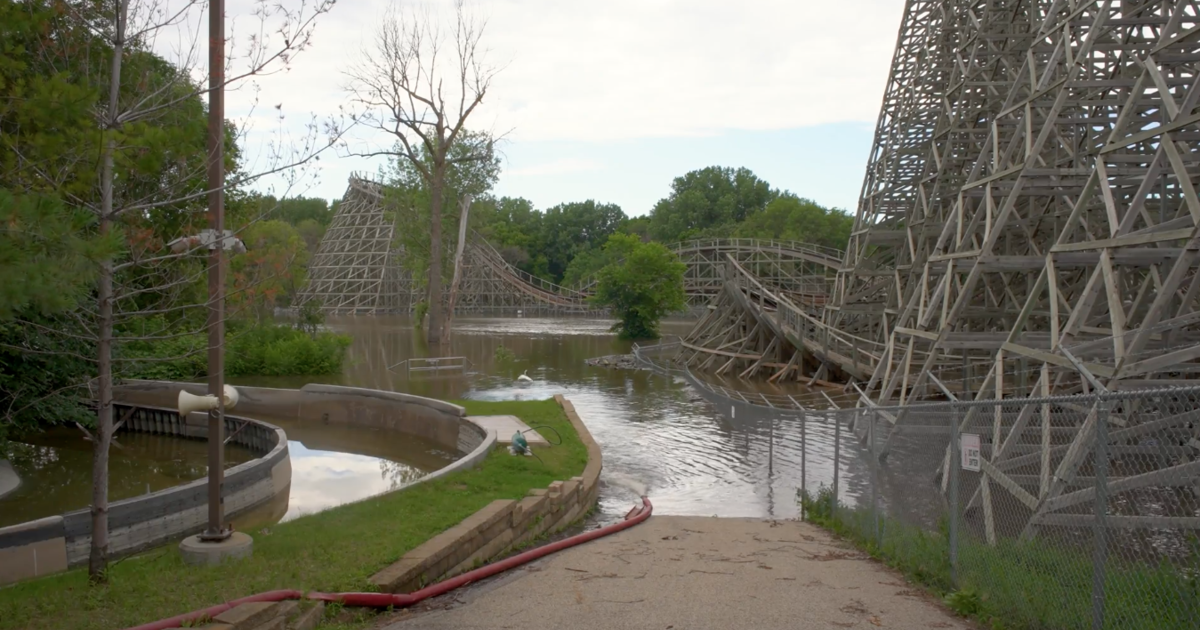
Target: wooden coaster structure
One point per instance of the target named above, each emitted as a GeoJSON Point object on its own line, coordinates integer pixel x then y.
{"type": "Point", "coordinates": [354, 270]}
{"type": "Point", "coordinates": [803, 270]}
{"type": "Point", "coordinates": [357, 269]}
{"type": "Point", "coordinates": [1027, 228]}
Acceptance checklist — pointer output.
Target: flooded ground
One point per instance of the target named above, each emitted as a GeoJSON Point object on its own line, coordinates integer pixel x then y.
{"type": "Point", "coordinates": [656, 432]}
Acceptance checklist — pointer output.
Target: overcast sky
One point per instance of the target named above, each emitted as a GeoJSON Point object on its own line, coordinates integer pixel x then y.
{"type": "Point", "coordinates": [611, 100]}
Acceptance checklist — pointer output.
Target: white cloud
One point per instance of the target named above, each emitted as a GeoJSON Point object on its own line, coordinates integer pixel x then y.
{"type": "Point", "coordinates": [621, 70]}
{"type": "Point", "coordinates": [555, 167]}
{"type": "Point", "coordinates": [627, 69]}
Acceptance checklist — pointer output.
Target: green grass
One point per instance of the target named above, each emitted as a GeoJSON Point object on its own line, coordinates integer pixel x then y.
{"type": "Point", "coordinates": [1014, 585]}
{"type": "Point", "coordinates": [334, 550]}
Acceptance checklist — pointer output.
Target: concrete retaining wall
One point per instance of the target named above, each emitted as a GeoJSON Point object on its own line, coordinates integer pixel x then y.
{"type": "Point", "coordinates": [56, 543]}
{"type": "Point", "coordinates": [439, 421]}
{"type": "Point", "coordinates": [500, 526]}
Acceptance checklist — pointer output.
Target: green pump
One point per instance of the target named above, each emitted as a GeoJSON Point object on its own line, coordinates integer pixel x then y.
{"type": "Point", "coordinates": [519, 445]}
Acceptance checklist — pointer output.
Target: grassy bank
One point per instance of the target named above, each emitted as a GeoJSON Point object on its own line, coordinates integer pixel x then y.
{"type": "Point", "coordinates": [1015, 585]}
{"type": "Point", "coordinates": [334, 550]}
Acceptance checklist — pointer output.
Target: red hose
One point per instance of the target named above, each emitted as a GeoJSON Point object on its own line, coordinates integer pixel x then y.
{"type": "Point", "coordinates": [213, 611]}
{"type": "Point", "coordinates": [400, 600]}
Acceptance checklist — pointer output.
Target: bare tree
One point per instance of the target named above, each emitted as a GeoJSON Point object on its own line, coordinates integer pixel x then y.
{"type": "Point", "coordinates": [407, 90]}
{"type": "Point", "coordinates": [145, 278]}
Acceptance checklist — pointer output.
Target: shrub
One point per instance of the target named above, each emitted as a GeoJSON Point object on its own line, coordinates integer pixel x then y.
{"type": "Point", "coordinates": [253, 350]}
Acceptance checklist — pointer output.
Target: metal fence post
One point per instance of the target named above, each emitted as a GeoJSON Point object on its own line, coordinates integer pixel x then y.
{"type": "Point", "coordinates": [1099, 532]}
{"type": "Point", "coordinates": [871, 417]}
{"type": "Point", "coordinates": [837, 453]}
{"type": "Point", "coordinates": [771, 451]}
{"type": "Point", "coordinates": [803, 461]}
{"type": "Point", "coordinates": [955, 465]}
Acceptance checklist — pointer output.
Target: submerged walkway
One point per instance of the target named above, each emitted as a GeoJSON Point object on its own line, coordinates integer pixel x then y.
{"type": "Point", "coordinates": [688, 573]}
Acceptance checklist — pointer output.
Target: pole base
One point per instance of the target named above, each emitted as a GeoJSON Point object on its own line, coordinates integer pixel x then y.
{"type": "Point", "coordinates": [199, 552]}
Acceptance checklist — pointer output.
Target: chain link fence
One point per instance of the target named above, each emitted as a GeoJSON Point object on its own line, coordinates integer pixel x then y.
{"type": "Point", "coordinates": [1064, 512]}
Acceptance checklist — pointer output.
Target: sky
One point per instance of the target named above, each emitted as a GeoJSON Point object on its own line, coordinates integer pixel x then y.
{"type": "Point", "coordinates": [612, 100]}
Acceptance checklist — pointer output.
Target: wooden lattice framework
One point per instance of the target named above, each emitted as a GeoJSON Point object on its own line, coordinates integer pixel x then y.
{"type": "Point", "coordinates": [1027, 227]}
{"type": "Point", "coordinates": [1032, 190]}
{"type": "Point", "coordinates": [356, 269]}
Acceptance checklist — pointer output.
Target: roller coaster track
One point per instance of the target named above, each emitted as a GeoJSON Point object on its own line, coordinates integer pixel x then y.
{"type": "Point", "coordinates": [357, 269]}
{"type": "Point", "coordinates": [802, 268]}
{"type": "Point", "coordinates": [778, 259]}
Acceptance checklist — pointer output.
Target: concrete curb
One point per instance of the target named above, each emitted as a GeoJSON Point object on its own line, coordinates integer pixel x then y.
{"type": "Point", "coordinates": [501, 525]}
{"type": "Point", "coordinates": [470, 460]}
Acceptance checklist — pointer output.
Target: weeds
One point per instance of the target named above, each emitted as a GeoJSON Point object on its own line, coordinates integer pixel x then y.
{"type": "Point", "coordinates": [1017, 585]}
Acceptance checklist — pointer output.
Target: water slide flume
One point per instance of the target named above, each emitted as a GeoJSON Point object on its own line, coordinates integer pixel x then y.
{"type": "Point", "coordinates": [401, 600]}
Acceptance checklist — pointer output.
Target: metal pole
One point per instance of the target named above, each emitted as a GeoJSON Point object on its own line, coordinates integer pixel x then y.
{"type": "Point", "coordinates": [874, 475]}
{"type": "Point", "coordinates": [803, 460]}
{"type": "Point", "coordinates": [216, 271]}
{"type": "Point", "coordinates": [966, 388]}
{"type": "Point", "coordinates": [955, 465]}
{"type": "Point", "coordinates": [1099, 532]}
{"type": "Point", "coordinates": [771, 452]}
{"type": "Point", "coordinates": [837, 453]}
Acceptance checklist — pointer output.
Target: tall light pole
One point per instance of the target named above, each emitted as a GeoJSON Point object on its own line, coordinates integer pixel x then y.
{"type": "Point", "coordinates": [216, 530]}
{"type": "Point", "coordinates": [217, 542]}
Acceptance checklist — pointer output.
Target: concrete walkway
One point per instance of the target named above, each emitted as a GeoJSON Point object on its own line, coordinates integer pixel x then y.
{"type": "Point", "coordinates": [688, 573]}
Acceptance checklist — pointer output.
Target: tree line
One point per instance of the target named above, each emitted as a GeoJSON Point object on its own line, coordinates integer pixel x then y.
{"type": "Point", "coordinates": [584, 243]}
{"type": "Point", "coordinates": [565, 243]}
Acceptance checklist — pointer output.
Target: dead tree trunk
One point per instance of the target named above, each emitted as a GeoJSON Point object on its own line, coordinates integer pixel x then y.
{"type": "Point", "coordinates": [434, 330]}
{"type": "Point", "coordinates": [458, 259]}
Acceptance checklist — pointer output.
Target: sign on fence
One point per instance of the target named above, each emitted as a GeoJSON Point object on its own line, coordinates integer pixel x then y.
{"type": "Point", "coordinates": [970, 452]}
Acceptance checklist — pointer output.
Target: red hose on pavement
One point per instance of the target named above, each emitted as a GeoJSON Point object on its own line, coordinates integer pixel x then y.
{"type": "Point", "coordinates": [400, 600]}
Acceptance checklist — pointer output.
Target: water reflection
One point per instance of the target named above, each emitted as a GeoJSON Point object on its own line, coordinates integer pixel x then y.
{"type": "Point", "coordinates": [654, 429]}
{"type": "Point", "coordinates": [324, 479]}
{"type": "Point", "coordinates": [331, 465]}
{"type": "Point", "coordinates": [336, 464]}
{"type": "Point", "coordinates": [56, 470]}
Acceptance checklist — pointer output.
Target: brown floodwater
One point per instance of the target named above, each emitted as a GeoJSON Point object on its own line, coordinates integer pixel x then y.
{"type": "Point", "coordinates": [56, 470]}
{"type": "Point", "coordinates": [657, 433]}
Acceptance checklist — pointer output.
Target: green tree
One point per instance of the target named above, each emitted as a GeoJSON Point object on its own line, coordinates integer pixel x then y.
{"type": "Point", "coordinates": [637, 226]}
{"type": "Point", "coordinates": [791, 218]}
{"type": "Point", "coordinates": [92, 118]}
{"type": "Point", "coordinates": [707, 202]}
{"type": "Point", "coordinates": [587, 264]}
{"type": "Point", "coordinates": [312, 232]}
{"type": "Point", "coordinates": [645, 286]}
{"type": "Point", "coordinates": [569, 229]}
{"type": "Point", "coordinates": [295, 210]}
{"type": "Point", "coordinates": [512, 226]}
{"type": "Point", "coordinates": [270, 271]}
